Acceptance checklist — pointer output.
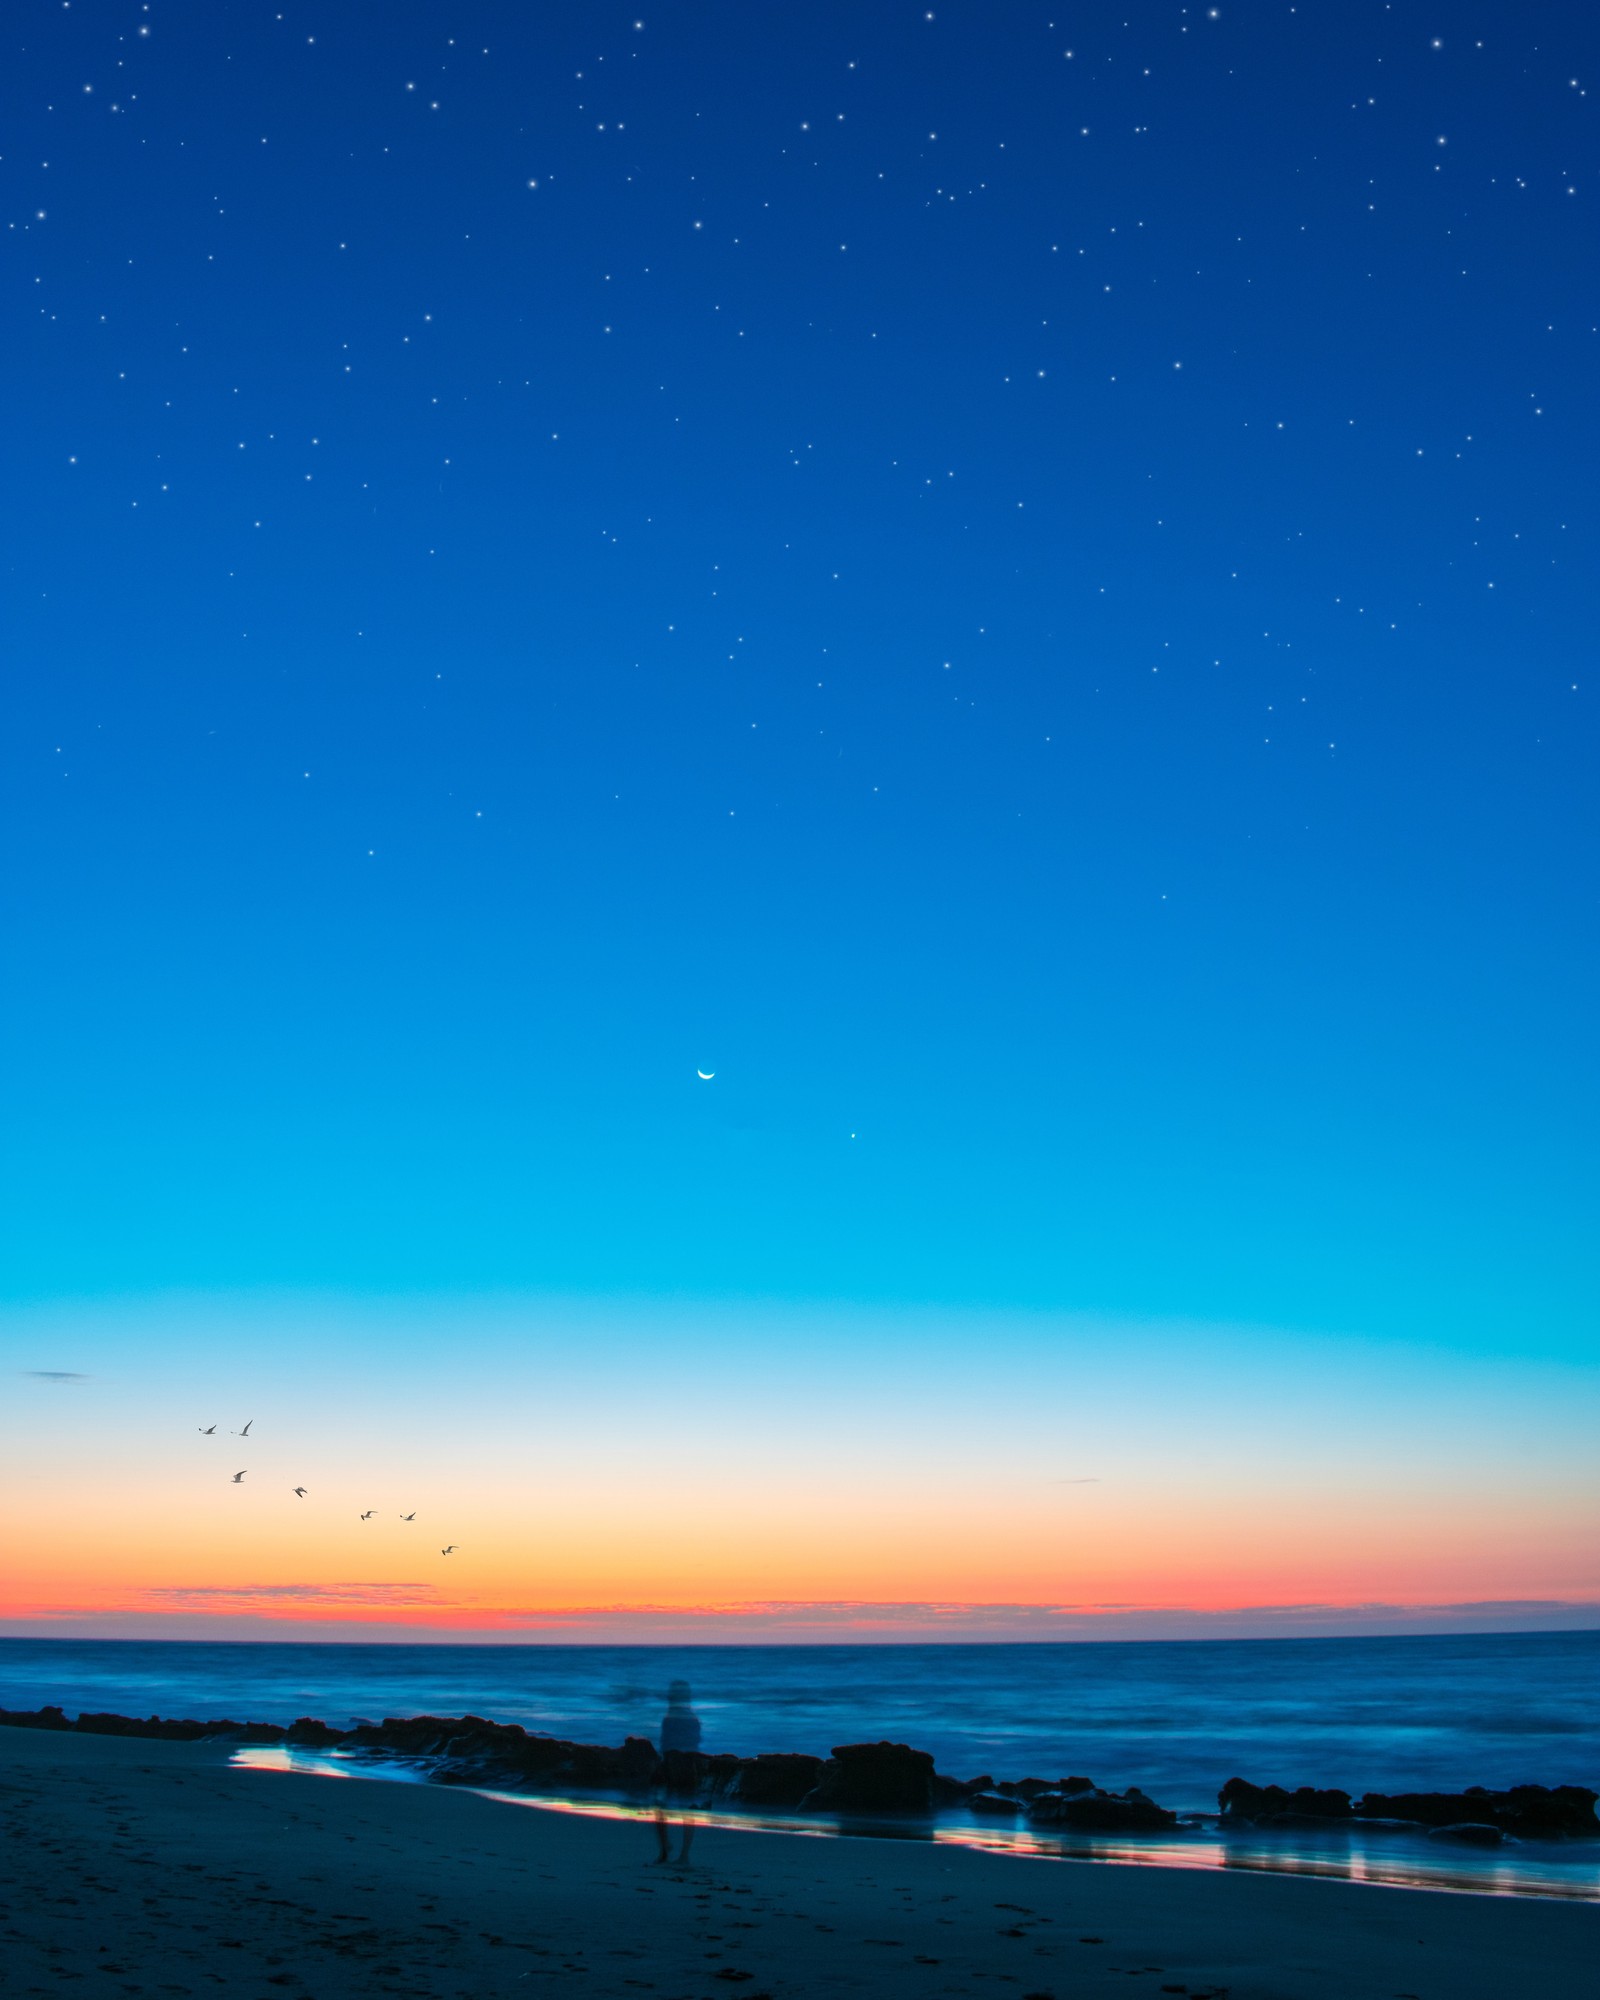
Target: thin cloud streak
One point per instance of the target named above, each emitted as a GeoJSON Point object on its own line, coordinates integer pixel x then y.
{"type": "Point", "coordinates": [932, 1619]}
{"type": "Point", "coordinates": [234, 1597]}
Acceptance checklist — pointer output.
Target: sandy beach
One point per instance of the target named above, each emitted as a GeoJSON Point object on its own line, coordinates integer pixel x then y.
{"type": "Point", "coordinates": [158, 1868]}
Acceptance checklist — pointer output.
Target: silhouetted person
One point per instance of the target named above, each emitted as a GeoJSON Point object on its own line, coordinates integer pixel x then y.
{"type": "Point", "coordinates": [680, 1739]}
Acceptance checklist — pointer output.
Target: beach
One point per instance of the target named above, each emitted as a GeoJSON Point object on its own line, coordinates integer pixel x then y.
{"type": "Point", "coordinates": [161, 1868]}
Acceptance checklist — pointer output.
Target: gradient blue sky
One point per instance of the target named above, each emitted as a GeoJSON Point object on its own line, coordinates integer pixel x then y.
{"type": "Point", "coordinates": [1018, 584]}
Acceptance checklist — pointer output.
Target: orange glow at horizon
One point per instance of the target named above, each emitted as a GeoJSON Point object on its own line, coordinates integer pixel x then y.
{"type": "Point", "coordinates": [1160, 1550]}
{"type": "Point", "coordinates": [718, 1469]}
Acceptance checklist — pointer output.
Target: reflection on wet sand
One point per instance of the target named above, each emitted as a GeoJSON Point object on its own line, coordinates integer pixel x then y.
{"type": "Point", "coordinates": [1390, 1858]}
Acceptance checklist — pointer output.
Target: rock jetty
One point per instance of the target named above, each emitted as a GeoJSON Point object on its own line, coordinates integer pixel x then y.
{"type": "Point", "coordinates": [862, 1780]}
{"type": "Point", "coordinates": [859, 1780]}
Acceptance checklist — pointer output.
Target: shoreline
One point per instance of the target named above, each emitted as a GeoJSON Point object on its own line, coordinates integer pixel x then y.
{"type": "Point", "coordinates": [1402, 1863]}
{"type": "Point", "coordinates": [1433, 1714]}
{"type": "Point", "coordinates": [167, 1866]}
{"type": "Point", "coordinates": [1529, 1841]}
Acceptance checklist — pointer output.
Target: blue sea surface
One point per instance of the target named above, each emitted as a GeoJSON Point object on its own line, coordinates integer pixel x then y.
{"type": "Point", "coordinates": [1177, 1717]}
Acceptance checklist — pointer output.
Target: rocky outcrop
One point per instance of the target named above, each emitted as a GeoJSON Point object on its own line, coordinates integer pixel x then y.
{"type": "Point", "coordinates": [777, 1781]}
{"type": "Point", "coordinates": [1265, 1805]}
{"type": "Point", "coordinates": [985, 1796]}
{"type": "Point", "coordinates": [1094, 1811]}
{"type": "Point", "coordinates": [874, 1778]}
{"type": "Point", "coordinates": [503, 1756]}
{"type": "Point", "coordinates": [309, 1734]}
{"type": "Point", "coordinates": [1526, 1812]}
{"type": "Point", "coordinates": [858, 1778]}
{"type": "Point", "coordinates": [90, 1724]}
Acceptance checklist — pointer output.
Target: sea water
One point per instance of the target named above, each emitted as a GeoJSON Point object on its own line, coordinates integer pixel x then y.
{"type": "Point", "coordinates": [1177, 1718]}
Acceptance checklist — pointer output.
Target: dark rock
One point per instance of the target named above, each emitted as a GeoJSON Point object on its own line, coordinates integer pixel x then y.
{"type": "Point", "coordinates": [595, 1768]}
{"type": "Point", "coordinates": [1532, 1812]}
{"type": "Point", "coordinates": [1070, 1785]}
{"type": "Point", "coordinates": [1101, 1812]}
{"type": "Point", "coordinates": [435, 1736]}
{"type": "Point", "coordinates": [994, 1802]}
{"type": "Point", "coordinates": [777, 1780]}
{"type": "Point", "coordinates": [1525, 1811]}
{"type": "Point", "coordinates": [33, 1718]}
{"type": "Point", "coordinates": [395, 1733]}
{"type": "Point", "coordinates": [718, 1775]}
{"type": "Point", "coordinates": [178, 1732]}
{"type": "Point", "coordinates": [874, 1778]}
{"type": "Point", "coordinates": [96, 1723]}
{"type": "Point", "coordinates": [504, 1755]}
{"type": "Point", "coordinates": [310, 1734]}
{"type": "Point", "coordinates": [539, 1758]}
{"type": "Point", "coordinates": [1302, 1822]}
{"type": "Point", "coordinates": [551, 1761]}
{"type": "Point", "coordinates": [1469, 1834]}
{"type": "Point", "coordinates": [1240, 1800]}
{"type": "Point", "coordinates": [640, 1763]}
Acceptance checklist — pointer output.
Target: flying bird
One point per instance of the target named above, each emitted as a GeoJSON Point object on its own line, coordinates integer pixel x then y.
{"type": "Point", "coordinates": [207, 1432]}
{"type": "Point", "coordinates": [408, 1517]}
{"type": "Point", "coordinates": [246, 1431]}
{"type": "Point", "coordinates": [239, 1475]}
{"type": "Point", "coordinates": [449, 1551]}
{"type": "Point", "coordinates": [367, 1516]}
{"type": "Point", "coordinates": [300, 1492]}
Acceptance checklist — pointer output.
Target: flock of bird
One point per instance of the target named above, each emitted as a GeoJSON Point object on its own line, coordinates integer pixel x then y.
{"type": "Point", "coordinates": [210, 1430]}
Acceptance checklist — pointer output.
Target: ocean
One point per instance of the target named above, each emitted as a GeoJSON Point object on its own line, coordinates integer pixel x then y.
{"type": "Point", "coordinates": [1177, 1718]}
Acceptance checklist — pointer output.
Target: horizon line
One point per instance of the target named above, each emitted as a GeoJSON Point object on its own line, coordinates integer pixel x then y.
{"type": "Point", "coordinates": [289, 1614]}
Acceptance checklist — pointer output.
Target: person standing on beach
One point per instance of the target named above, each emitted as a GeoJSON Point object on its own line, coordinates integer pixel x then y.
{"type": "Point", "coordinates": [680, 1739]}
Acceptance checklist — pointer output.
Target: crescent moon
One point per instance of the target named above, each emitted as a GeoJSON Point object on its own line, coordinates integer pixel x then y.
{"type": "Point", "coordinates": [705, 1075]}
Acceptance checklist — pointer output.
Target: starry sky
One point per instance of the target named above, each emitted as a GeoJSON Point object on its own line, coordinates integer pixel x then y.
{"type": "Point", "coordinates": [1014, 583]}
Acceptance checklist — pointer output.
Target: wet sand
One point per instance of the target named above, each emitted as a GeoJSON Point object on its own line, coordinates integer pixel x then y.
{"type": "Point", "coordinates": [157, 1868]}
